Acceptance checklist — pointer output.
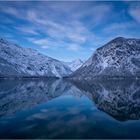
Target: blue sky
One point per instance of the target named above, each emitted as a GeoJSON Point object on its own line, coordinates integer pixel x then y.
{"type": "Point", "coordinates": [68, 30]}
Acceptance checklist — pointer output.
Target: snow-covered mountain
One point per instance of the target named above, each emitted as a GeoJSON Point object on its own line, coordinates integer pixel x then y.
{"type": "Point", "coordinates": [18, 61]}
{"type": "Point", "coordinates": [118, 58]}
{"type": "Point", "coordinates": [75, 64]}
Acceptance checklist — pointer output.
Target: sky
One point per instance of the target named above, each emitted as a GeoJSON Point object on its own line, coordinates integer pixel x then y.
{"type": "Point", "coordinates": [67, 30]}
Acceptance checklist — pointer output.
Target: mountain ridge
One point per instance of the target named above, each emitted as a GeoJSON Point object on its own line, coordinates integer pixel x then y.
{"type": "Point", "coordinates": [118, 58]}
{"type": "Point", "coordinates": [16, 61]}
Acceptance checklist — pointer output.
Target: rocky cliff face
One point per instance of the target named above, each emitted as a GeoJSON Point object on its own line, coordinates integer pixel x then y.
{"type": "Point", "coordinates": [18, 61]}
{"type": "Point", "coordinates": [118, 58]}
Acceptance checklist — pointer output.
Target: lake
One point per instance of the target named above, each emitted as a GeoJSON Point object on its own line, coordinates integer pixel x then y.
{"type": "Point", "coordinates": [56, 108]}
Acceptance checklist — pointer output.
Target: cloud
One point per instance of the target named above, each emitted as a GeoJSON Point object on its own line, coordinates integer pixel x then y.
{"type": "Point", "coordinates": [60, 21]}
{"type": "Point", "coordinates": [100, 12]}
{"type": "Point", "coordinates": [74, 47]}
{"type": "Point", "coordinates": [9, 10]}
{"type": "Point", "coordinates": [74, 31]}
{"type": "Point", "coordinates": [43, 43]}
{"type": "Point", "coordinates": [50, 44]}
{"type": "Point", "coordinates": [47, 43]}
{"type": "Point", "coordinates": [71, 26]}
{"type": "Point", "coordinates": [27, 30]}
{"type": "Point", "coordinates": [135, 12]}
{"type": "Point", "coordinates": [118, 26]}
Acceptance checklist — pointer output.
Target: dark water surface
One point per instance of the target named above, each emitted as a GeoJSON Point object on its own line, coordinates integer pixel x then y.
{"type": "Point", "coordinates": [62, 109]}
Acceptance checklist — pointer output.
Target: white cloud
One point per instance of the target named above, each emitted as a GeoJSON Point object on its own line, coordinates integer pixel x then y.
{"type": "Point", "coordinates": [135, 13]}
{"type": "Point", "coordinates": [43, 43]}
{"type": "Point", "coordinates": [27, 30]}
{"type": "Point", "coordinates": [74, 47]}
{"type": "Point", "coordinates": [46, 43]}
{"type": "Point", "coordinates": [50, 44]}
{"type": "Point", "coordinates": [57, 27]}
{"type": "Point", "coordinates": [59, 24]}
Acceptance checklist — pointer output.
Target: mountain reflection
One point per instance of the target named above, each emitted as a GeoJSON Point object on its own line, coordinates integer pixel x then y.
{"type": "Point", "coordinates": [24, 94]}
{"type": "Point", "coordinates": [120, 99]}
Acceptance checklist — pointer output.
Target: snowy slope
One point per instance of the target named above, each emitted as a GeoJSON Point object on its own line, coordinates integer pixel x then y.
{"type": "Point", "coordinates": [18, 61]}
{"type": "Point", "coordinates": [75, 64]}
{"type": "Point", "coordinates": [118, 58]}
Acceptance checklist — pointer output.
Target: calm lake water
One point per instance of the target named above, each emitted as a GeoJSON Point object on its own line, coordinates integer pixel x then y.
{"type": "Point", "coordinates": [61, 109]}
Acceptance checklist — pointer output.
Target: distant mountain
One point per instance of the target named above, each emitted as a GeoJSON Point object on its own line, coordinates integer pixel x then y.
{"type": "Point", "coordinates": [18, 61]}
{"type": "Point", "coordinates": [118, 58]}
{"type": "Point", "coordinates": [75, 64]}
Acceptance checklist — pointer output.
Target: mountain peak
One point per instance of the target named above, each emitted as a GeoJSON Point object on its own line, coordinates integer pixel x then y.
{"type": "Point", "coordinates": [123, 39]}
{"type": "Point", "coordinates": [119, 38]}
{"type": "Point", "coordinates": [77, 60]}
{"type": "Point", "coordinates": [75, 64]}
{"type": "Point", "coordinates": [120, 42]}
{"type": "Point", "coordinates": [118, 58]}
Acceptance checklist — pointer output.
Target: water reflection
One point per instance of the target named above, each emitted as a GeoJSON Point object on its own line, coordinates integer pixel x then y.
{"type": "Point", "coordinates": [69, 109]}
{"type": "Point", "coordinates": [24, 94]}
{"type": "Point", "coordinates": [119, 98]}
